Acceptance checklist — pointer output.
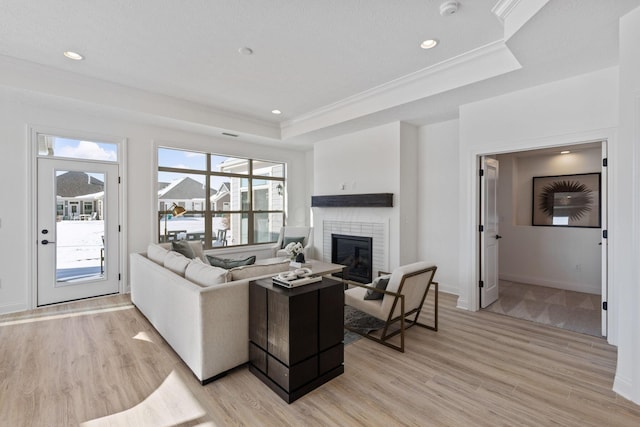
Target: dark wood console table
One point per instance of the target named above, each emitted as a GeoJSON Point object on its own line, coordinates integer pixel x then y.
{"type": "Point", "coordinates": [296, 335]}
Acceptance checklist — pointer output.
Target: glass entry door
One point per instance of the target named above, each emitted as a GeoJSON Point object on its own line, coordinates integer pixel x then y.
{"type": "Point", "coordinates": [77, 230]}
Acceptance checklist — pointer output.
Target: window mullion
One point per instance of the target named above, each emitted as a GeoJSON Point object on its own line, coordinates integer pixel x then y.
{"type": "Point", "coordinates": [208, 218]}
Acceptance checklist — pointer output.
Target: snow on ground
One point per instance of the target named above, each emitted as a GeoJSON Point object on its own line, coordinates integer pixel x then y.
{"type": "Point", "coordinates": [79, 242]}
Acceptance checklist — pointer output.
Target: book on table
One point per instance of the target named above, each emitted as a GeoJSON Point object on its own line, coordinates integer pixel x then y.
{"type": "Point", "coordinates": [296, 282]}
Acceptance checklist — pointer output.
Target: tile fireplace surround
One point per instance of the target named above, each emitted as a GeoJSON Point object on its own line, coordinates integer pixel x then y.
{"type": "Point", "coordinates": [378, 231]}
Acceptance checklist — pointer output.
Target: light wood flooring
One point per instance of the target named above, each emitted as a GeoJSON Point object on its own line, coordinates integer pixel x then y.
{"type": "Point", "coordinates": [99, 362]}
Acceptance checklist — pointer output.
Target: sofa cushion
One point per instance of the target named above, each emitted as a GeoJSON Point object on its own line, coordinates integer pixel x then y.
{"type": "Point", "coordinates": [183, 247]}
{"type": "Point", "coordinates": [227, 263]}
{"type": "Point", "coordinates": [203, 274]}
{"type": "Point", "coordinates": [196, 245]}
{"type": "Point", "coordinates": [379, 283]}
{"type": "Point", "coordinates": [249, 271]}
{"type": "Point", "coordinates": [176, 262]}
{"type": "Point", "coordinates": [156, 253]}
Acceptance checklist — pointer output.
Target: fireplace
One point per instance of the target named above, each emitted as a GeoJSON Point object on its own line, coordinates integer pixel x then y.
{"type": "Point", "coordinates": [356, 253]}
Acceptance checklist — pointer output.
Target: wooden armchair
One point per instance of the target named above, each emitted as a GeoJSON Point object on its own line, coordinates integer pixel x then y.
{"type": "Point", "coordinates": [401, 304]}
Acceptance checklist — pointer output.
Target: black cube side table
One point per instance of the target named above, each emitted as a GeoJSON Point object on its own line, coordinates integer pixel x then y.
{"type": "Point", "coordinates": [296, 335]}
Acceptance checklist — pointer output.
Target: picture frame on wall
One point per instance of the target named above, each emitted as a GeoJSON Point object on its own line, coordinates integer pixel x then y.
{"type": "Point", "coordinates": [567, 200]}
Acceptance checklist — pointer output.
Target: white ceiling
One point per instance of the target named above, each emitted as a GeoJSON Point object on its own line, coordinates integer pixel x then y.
{"type": "Point", "coordinates": [329, 65]}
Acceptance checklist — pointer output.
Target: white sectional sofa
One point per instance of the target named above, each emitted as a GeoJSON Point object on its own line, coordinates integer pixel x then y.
{"type": "Point", "coordinates": [208, 326]}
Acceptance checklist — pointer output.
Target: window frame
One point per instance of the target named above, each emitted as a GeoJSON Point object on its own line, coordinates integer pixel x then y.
{"type": "Point", "coordinates": [224, 210]}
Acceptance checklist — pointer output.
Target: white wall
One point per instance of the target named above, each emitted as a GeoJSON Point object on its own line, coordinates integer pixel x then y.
{"type": "Point", "coordinates": [438, 201]}
{"type": "Point", "coordinates": [571, 111]}
{"type": "Point", "coordinates": [19, 109]}
{"type": "Point", "coordinates": [371, 161]}
{"type": "Point", "coordinates": [559, 257]}
{"type": "Point", "coordinates": [625, 233]}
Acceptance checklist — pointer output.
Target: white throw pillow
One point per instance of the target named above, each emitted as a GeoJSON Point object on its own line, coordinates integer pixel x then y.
{"type": "Point", "coordinates": [176, 262]}
{"type": "Point", "coordinates": [203, 274]}
{"type": "Point", "coordinates": [156, 253]}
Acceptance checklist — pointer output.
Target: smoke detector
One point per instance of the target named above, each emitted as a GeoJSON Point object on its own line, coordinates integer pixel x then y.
{"type": "Point", "coordinates": [449, 7]}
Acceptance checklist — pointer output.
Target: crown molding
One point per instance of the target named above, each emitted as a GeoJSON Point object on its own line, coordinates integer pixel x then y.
{"type": "Point", "coordinates": [503, 8]}
{"type": "Point", "coordinates": [515, 13]}
{"type": "Point", "coordinates": [476, 65]}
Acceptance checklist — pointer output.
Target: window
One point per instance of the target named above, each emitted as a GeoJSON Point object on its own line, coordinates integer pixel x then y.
{"type": "Point", "coordinates": [229, 201]}
{"type": "Point", "coordinates": [53, 146]}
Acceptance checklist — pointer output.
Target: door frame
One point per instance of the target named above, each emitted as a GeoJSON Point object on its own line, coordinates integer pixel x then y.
{"type": "Point", "coordinates": [32, 169]}
{"type": "Point", "coordinates": [470, 293]}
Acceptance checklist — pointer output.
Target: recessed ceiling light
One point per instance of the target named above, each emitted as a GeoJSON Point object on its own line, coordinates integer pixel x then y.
{"type": "Point", "coordinates": [245, 50]}
{"type": "Point", "coordinates": [429, 44]}
{"type": "Point", "coordinates": [73, 55]}
{"type": "Point", "coordinates": [565, 152]}
{"type": "Point", "coordinates": [276, 111]}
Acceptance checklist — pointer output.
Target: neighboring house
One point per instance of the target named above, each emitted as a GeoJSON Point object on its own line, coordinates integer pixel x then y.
{"type": "Point", "coordinates": [222, 199]}
{"type": "Point", "coordinates": [79, 196]}
{"type": "Point", "coordinates": [186, 192]}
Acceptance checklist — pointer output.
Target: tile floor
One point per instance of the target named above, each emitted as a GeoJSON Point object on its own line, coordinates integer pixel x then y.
{"type": "Point", "coordinates": [575, 311]}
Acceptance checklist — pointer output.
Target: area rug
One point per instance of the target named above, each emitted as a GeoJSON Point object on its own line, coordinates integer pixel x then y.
{"type": "Point", "coordinates": [361, 321]}
{"type": "Point", "coordinates": [575, 311]}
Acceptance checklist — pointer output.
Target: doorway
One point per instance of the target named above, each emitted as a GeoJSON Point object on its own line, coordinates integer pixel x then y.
{"type": "Point", "coordinates": [77, 220]}
{"type": "Point", "coordinates": [556, 273]}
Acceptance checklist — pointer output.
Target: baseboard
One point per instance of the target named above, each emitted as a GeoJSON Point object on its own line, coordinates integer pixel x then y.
{"type": "Point", "coordinates": [448, 289]}
{"type": "Point", "coordinates": [567, 286]}
{"type": "Point", "coordinates": [623, 387]}
{"type": "Point", "coordinates": [12, 308]}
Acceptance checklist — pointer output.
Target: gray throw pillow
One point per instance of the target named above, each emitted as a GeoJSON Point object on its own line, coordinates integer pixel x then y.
{"type": "Point", "coordinates": [183, 247]}
{"type": "Point", "coordinates": [230, 263]}
{"type": "Point", "coordinates": [288, 240]}
{"type": "Point", "coordinates": [379, 283]}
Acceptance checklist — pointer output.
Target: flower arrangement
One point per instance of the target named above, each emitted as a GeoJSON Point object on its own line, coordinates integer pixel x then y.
{"type": "Point", "coordinates": [293, 249]}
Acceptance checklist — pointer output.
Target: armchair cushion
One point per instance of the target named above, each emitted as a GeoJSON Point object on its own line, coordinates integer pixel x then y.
{"type": "Point", "coordinates": [355, 298]}
{"type": "Point", "coordinates": [379, 283]}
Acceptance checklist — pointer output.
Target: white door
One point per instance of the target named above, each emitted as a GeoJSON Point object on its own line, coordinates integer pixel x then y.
{"type": "Point", "coordinates": [489, 236]}
{"type": "Point", "coordinates": [605, 259]}
{"type": "Point", "coordinates": [78, 251]}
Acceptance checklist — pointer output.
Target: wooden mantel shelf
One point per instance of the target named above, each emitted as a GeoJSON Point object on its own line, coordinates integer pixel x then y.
{"type": "Point", "coordinates": [373, 200]}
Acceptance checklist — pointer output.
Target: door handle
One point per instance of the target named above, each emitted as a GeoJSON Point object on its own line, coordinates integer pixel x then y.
{"type": "Point", "coordinates": [46, 242]}
{"type": "Point", "coordinates": [498, 236]}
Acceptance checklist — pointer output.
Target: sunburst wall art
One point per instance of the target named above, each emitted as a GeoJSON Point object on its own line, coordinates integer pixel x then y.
{"type": "Point", "coordinates": [567, 200]}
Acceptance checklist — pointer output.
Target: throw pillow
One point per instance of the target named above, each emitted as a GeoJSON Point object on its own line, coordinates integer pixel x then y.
{"type": "Point", "coordinates": [156, 253]}
{"type": "Point", "coordinates": [230, 263]}
{"type": "Point", "coordinates": [183, 247]}
{"type": "Point", "coordinates": [379, 283]}
{"type": "Point", "coordinates": [176, 262]}
{"type": "Point", "coordinates": [203, 274]}
{"type": "Point", "coordinates": [288, 240]}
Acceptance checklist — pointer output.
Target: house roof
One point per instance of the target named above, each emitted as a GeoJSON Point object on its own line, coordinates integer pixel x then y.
{"type": "Point", "coordinates": [330, 66]}
{"type": "Point", "coordinates": [184, 189]}
{"type": "Point", "coordinates": [74, 184]}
